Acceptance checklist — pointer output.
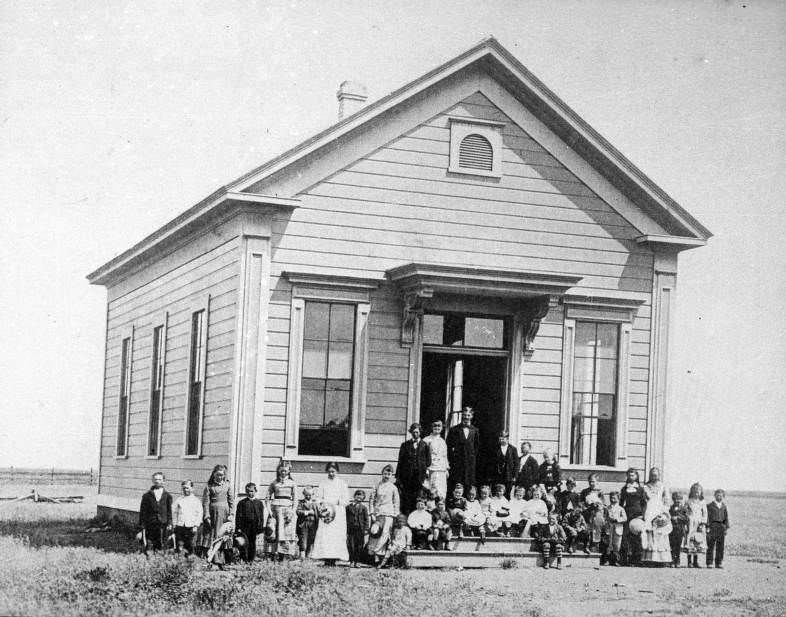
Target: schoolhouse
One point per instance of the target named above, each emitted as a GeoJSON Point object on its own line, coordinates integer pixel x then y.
{"type": "Point", "coordinates": [465, 240]}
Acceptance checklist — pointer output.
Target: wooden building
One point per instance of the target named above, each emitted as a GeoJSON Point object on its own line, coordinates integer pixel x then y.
{"type": "Point", "coordinates": [467, 239]}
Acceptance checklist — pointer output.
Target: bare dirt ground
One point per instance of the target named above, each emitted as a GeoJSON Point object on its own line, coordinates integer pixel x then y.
{"type": "Point", "coordinates": [744, 587]}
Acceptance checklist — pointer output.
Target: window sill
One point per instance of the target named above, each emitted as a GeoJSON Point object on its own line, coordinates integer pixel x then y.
{"type": "Point", "coordinates": [121, 457]}
{"type": "Point", "coordinates": [192, 456]}
{"type": "Point", "coordinates": [150, 457]}
{"type": "Point", "coordinates": [307, 458]}
{"type": "Point", "coordinates": [474, 172]}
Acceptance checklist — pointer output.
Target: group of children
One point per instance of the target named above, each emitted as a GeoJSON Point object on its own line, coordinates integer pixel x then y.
{"type": "Point", "coordinates": [558, 519]}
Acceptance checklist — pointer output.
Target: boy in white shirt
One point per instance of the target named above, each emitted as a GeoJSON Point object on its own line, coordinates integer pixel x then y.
{"type": "Point", "coordinates": [419, 522]}
{"type": "Point", "coordinates": [187, 515]}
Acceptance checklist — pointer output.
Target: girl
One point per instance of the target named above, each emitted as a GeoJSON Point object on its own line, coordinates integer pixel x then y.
{"type": "Point", "coordinates": [281, 496]}
{"type": "Point", "coordinates": [217, 507]}
{"type": "Point", "coordinates": [384, 509]}
{"type": "Point", "coordinates": [591, 500]}
{"type": "Point", "coordinates": [330, 543]}
{"type": "Point", "coordinates": [535, 512]}
{"type": "Point", "coordinates": [657, 524]}
{"type": "Point", "coordinates": [474, 519]}
{"type": "Point", "coordinates": [456, 506]}
{"type": "Point", "coordinates": [492, 523]}
{"type": "Point", "coordinates": [401, 538]}
{"type": "Point", "coordinates": [695, 540]}
{"type": "Point", "coordinates": [549, 473]}
{"type": "Point", "coordinates": [633, 500]}
{"type": "Point", "coordinates": [500, 509]}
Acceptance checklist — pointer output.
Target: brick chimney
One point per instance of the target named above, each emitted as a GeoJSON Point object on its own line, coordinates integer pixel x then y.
{"type": "Point", "coordinates": [351, 97]}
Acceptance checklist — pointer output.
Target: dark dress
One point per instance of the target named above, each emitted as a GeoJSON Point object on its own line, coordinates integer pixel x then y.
{"type": "Point", "coordinates": [505, 468]}
{"type": "Point", "coordinates": [633, 499]}
{"type": "Point", "coordinates": [249, 520]}
{"type": "Point", "coordinates": [549, 474]}
{"type": "Point", "coordinates": [462, 456]}
{"type": "Point", "coordinates": [154, 517]}
{"type": "Point", "coordinates": [411, 471]}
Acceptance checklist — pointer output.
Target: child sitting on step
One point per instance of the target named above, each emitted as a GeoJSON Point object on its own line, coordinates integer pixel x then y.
{"type": "Point", "coordinates": [420, 523]}
{"type": "Point", "coordinates": [516, 508]}
{"type": "Point", "coordinates": [474, 519]}
{"type": "Point", "coordinates": [441, 527]}
{"type": "Point", "coordinates": [456, 506]}
{"type": "Point", "coordinates": [552, 540]}
{"type": "Point", "coordinates": [400, 540]}
{"type": "Point", "coordinates": [500, 510]}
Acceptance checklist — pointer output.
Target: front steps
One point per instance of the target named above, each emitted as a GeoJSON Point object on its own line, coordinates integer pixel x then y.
{"type": "Point", "coordinates": [471, 553]}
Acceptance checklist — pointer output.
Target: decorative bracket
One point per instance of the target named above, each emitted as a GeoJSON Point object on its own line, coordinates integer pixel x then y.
{"type": "Point", "coordinates": [533, 314]}
{"type": "Point", "coordinates": [414, 303]}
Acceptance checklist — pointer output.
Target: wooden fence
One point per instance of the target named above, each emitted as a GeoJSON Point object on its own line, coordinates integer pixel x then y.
{"type": "Point", "coordinates": [50, 475]}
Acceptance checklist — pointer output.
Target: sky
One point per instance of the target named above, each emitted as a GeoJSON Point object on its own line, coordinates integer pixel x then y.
{"type": "Point", "coordinates": [117, 116]}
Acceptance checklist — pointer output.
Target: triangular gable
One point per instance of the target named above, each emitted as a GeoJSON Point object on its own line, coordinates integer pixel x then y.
{"type": "Point", "coordinates": [500, 77]}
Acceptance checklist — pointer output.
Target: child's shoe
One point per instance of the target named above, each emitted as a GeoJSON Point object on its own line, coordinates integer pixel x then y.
{"type": "Point", "coordinates": [559, 564]}
{"type": "Point", "coordinates": [545, 564]}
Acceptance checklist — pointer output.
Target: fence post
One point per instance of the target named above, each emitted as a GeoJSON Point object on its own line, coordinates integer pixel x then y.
{"type": "Point", "coordinates": [53, 475]}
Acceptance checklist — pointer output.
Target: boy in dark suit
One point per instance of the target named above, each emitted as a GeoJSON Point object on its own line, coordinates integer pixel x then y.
{"type": "Point", "coordinates": [357, 526]}
{"type": "Point", "coordinates": [463, 443]}
{"type": "Point", "coordinates": [250, 520]}
{"type": "Point", "coordinates": [155, 514]}
{"type": "Point", "coordinates": [528, 468]}
{"type": "Point", "coordinates": [414, 459]}
{"type": "Point", "coordinates": [506, 462]}
{"type": "Point", "coordinates": [718, 525]}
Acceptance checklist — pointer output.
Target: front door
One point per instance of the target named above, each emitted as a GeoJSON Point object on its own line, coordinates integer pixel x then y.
{"type": "Point", "coordinates": [465, 363]}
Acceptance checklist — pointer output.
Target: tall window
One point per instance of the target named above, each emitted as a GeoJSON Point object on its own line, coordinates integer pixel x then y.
{"type": "Point", "coordinates": [156, 392]}
{"type": "Point", "coordinates": [326, 383]}
{"type": "Point", "coordinates": [125, 396]}
{"type": "Point", "coordinates": [594, 408]}
{"type": "Point", "coordinates": [196, 383]}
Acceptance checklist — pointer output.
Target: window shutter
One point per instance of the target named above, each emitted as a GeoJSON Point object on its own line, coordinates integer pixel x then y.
{"type": "Point", "coordinates": [475, 152]}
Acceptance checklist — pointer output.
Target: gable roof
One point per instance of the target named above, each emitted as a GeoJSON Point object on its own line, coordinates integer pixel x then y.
{"type": "Point", "coordinates": [490, 56]}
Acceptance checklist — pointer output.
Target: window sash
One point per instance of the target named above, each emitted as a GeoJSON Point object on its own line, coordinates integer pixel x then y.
{"type": "Point", "coordinates": [157, 363]}
{"type": "Point", "coordinates": [195, 403]}
{"type": "Point", "coordinates": [126, 349]}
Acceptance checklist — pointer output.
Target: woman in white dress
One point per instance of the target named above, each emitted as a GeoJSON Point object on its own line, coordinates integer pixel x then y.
{"type": "Point", "coordinates": [657, 522]}
{"type": "Point", "coordinates": [332, 496]}
{"type": "Point", "coordinates": [438, 470]}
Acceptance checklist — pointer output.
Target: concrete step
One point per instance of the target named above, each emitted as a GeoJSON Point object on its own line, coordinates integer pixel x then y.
{"type": "Point", "coordinates": [491, 559]}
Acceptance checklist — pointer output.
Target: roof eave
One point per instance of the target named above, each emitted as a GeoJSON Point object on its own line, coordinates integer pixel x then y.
{"type": "Point", "coordinates": [201, 213]}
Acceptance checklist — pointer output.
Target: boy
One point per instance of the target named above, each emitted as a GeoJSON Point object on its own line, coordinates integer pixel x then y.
{"type": "Point", "coordinates": [420, 522]}
{"type": "Point", "coordinates": [552, 540]}
{"type": "Point", "coordinates": [456, 506]}
{"type": "Point", "coordinates": [187, 518]}
{"type": "Point", "coordinates": [440, 527]}
{"type": "Point", "coordinates": [718, 525]}
{"type": "Point", "coordinates": [249, 520]}
{"type": "Point", "coordinates": [576, 531]}
{"type": "Point", "coordinates": [679, 526]}
{"type": "Point", "coordinates": [307, 519]}
{"type": "Point", "coordinates": [155, 514]}
{"type": "Point", "coordinates": [474, 519]}
{"type": "Point", "coordinates": [611, 541]}
{"type": "Point", "coordinates": [568, 499]}
{"type": "Point", "coordinates": [549, 473]}
{"type": "Point", "coordinates": [357, 525]}
{"type": "Point", "coordinates": [500, 509]}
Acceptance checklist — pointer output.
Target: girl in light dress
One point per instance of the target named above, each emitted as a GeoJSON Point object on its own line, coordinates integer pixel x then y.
{"type": "Point", "coordinates": [695, 542]}
{"type": "Point", "coordinates": [385, 506]}
{"type": "Point", "coordinates": [474, 519]}
{"type": "Point", "coordinates": [281, 496]}
{"type": "Point", "coordinates": [500, 509]}
{"type": "Point", "coordinates": [438, 470]}
{"type": "Point", "coordinates": [332, 496]}
{"type": "Point", "coordinates": [535, 512]}
{"type": "Point", "coordinates": [657, 523]}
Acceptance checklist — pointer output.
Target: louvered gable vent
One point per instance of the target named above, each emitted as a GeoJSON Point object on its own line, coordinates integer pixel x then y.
{"type": "Point", "coordinates": [475, 152]}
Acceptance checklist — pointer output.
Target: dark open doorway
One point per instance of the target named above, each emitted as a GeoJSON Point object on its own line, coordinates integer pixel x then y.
{"type": "Point", "coordinates": [450, 381]}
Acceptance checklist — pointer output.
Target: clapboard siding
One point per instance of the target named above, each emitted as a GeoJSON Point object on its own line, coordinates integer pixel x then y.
{"type": "Point", "coordinates": [178, 292]}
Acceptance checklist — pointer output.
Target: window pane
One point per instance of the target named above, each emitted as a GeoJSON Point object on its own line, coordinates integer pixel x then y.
{"type": "Point", "coordinates": [432, 329]}
{"type": "Point", "coordinates": [606, 376]}
{"type": "Point", "coordinates": [584, 346]}
{"type": "Point", "coordinates": [312, 406]}
{"type": "Point", "coordinates": [342, 322]}
{"type": "Point", "coordinates": [197, 323]}
{"type": "Point", "coordinates": [340, 361]}
{"type": "Point", "coordinates": [192, 428]}
{"type": "Point", "coordinates": [315, 359]}
{"type": "Point", "coordinates": [453, 332]}
{"type": "Point", "coordinates": [583, 374]}
{"type": "Point", "coordinates": [152, 437]}
{"type": "Point", "coordinates": [607, 340]}
{"type": "Point", "coordinates": [337, 403]}
{"type": "Point", "coordinates": [480, 332]}
{"type": "Point", "coordinates": [606, 406]}
{"type": "Point", "coordinates": [324, 441]}
{"type": "Point", "coordinates": [316, 320]}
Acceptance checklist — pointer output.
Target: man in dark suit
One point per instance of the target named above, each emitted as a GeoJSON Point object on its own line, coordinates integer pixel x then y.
{"type": "Point", "coordinates": [414, 459]}
{"type": "Point", "coordinates": [528, 467]}
{"type": "Point", "coordinates": [506, 464]}
{"type": "Point", "coordinates": [463, 444]}
{"type": "Point", "coordinates": [155, 514]}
